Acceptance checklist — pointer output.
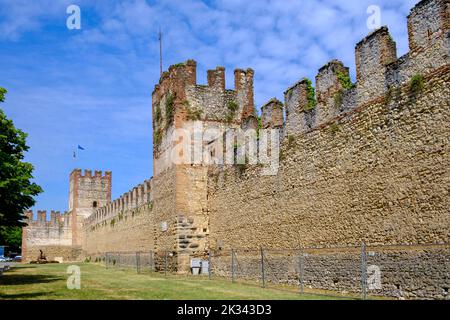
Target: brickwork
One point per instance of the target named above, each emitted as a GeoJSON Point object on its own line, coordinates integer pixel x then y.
{"type": "Point", "coordinates": [54, 235]}
{"type": "Point", "coordinates": [374, 175]}
{"type": "Point", "coordinates": [397, 271]}
{"type": "Point", "coordinates": [87, 192]}
{"type": "Point", "coordinates": [364, 161]}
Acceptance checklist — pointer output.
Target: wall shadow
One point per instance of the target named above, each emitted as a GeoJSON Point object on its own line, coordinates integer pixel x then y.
{"type": "Point", "coordinates": [15, 279]}
{"type": "Point", "coordinates": [33, 295]}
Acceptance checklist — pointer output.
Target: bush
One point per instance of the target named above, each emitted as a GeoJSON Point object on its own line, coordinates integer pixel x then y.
{"type": "Point", "coordinates": [334, 128]}
{"type": "Point", "coordinates": [291, 140]}
{"type": "Point", "coordinates": [416, 84]}
{"type": "Point", "coordinates": [345, 81]}
{"type": "Point", "coordinates": [157, 137]}
{"type": "Point", "coordinates": [194, 115]}
{"type": "Point", "coordinates": [310, 95]}
{"type": "Point", "coordinates": [170, 107]}
{"type": "Point", "coordinates": [339, 99]}
{"type": "Point", "coordinates": [232, 109]}
{"type": "Point", "coordinates": [232, 106]}
{"type": "Point", "coordinates": [158, 116]}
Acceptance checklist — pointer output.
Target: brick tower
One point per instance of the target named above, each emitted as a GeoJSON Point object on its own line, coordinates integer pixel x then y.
{"type": "Point", "coordinates": [179, 106]}
{"type": "Point", "coordinates": [87, 192]}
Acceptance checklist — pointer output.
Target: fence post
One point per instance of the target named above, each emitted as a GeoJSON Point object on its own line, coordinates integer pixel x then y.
{"type": "Point", "coordinates": [209, 264]}
{"type": "Point", "coordinates": [263, 275]}
{"type": "Point", "coordinates": [165, 263]}
{"type": "Point", "coordinates": [151, 262]}
{"type": "Point", "coordinates": [138, 262]}
{"type": "Point", "coordinates": [106, 260]}
{"type": "Point", "coordinates": [363, 271]}
{"type": "Point", "coordinates": [232, 265]}
{"type": "Point", "coordinates": [300, 272]}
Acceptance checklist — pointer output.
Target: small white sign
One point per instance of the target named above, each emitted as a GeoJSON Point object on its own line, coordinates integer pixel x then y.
{"type": "Point", "coordinates": [164, 226]}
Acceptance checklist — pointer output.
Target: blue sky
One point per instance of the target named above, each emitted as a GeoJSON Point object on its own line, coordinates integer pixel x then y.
{"type": "Point", "coordinates": [93, 86]}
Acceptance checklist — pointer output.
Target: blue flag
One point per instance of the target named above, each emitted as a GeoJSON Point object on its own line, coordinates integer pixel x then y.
{"type": "Point", "coordinates": [80, 147]}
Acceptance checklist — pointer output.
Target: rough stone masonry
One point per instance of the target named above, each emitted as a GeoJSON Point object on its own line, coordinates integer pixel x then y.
{"type": "Point", "coordinates": [364, 162]}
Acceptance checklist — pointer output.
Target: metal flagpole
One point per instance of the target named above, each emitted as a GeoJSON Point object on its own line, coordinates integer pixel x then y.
{"type": "Point", "coordinates": [160, 53]}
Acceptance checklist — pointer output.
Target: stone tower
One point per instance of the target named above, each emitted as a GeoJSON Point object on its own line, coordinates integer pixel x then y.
{"type": "Point", "coordinates": [87, 192]}
{"type": "Point", "coordinates": [184, 113]}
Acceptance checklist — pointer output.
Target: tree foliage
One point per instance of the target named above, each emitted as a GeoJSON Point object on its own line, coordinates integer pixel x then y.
{"type": "Point", "coordinates": [16, 189]}
{"type": "Point", "coordinates": [311, 95]}
{"type": "Point", "coordinates": [2, 94]}
{"type": "Point", "coordinates": [11, 236]}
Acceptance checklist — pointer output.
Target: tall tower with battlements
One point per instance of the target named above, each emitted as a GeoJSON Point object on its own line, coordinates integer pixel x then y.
{"type": "Point", "coordinates": [87, 193]}
{"type": "Point", "coordinates": [61, 238]}
{"type": "Point", "coordinates": [184, 113]}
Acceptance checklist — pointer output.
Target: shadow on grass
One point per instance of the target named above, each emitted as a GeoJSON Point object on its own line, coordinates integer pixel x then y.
{"type": "Point", "coordinates": [33, 295]}
{"type": "Point", "coordinates": [15, 279]}
{"type": "Point", "coordinates": [20, 266]}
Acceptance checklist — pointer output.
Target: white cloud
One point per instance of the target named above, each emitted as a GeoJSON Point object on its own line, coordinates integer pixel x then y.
{"type": "Point", "coordinates": [20, 16]}
{"type": "Point", "coordinates": [231, 33]}
{"type": "Point", "coordinates": [95, 85]}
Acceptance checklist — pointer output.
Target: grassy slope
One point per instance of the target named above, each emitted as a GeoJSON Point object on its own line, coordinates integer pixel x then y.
{"type": "Point", "coordinates": [49, 282]}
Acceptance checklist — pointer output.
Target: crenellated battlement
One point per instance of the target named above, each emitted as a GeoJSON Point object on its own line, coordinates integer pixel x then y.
{"type": "Point", "coordinates": [213, 102]}
{"type": "Point", "coordinates": [428, 21]}
{"type": "Point", "coordinates": [57, 220]}
{"type": "Point", "coordinates": [176, 79]}
{"type": "Point", "coordinates": [362, 162]}
{"type": "Point", "coordinates": [308, 106]}
{"type": "Point", "coordinates": [373, 54]}
{"type": "Point", "coordinates": [244, 90]}
{"type": "Point", "coordinates": [329, 80]}
{"type": "Point", "coordinates": [178, 99]}
{"type": "Point", "coordinates": [272, 114]}
{"type": "Point", "coordinates": [53, 236]}
{"type": "Point", "coordinates": [138, 196]}
{"type": "Point", "coordinates": [300, 107]}
{"type": "Point", "coordinates": [88, 174]}
{"type": "Point", "coordinates": [216, 78]}
{"type": "Point", "coordinates": [378, 70]}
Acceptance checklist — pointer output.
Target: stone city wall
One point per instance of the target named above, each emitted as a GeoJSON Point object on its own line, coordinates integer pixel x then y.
{"type": "Point", "coordinates": [53, 237]}
{"type": "Point", "coordinates": [372, 167]}
{"type": "Point", "coordinates": [406, 272]}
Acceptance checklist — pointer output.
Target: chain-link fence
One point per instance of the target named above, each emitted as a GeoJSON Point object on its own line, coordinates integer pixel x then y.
{"type": "Point", "coordinates": [298, 269]}
{"type": "Point", "coordinates": [409, 272]}
{"type": "Point", "coordinates": [421, 271]}
{"type": "Point", "coordinates": [140, 261]}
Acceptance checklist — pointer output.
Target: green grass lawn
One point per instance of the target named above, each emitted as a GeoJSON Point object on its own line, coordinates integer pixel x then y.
{"type": "Point", "coordinates": [97, 282]}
